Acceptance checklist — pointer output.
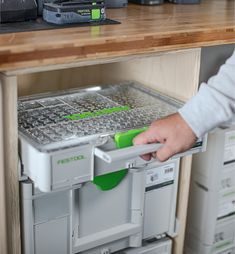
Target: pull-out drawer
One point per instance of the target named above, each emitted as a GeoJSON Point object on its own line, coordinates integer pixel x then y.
{"type": "Point", "coordinates": [60, 134]}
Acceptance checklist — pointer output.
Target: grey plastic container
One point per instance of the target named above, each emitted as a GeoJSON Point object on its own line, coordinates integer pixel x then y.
{"type": "Point", "coordinates": [89, 221]}
{"type": "Point", "coordinates": [116, 3]}
{"type": "Point", "coordinates": [59, 132]}
{"type": "Point", "coordinates": [211, 221]}
{"type": "Point", "coordinates": [147, 2]}
{"type": "Point", "coordinates": [62, 134]}
{"type": "Point", "coordinates": [185, 1]}
{"type": "Point", "coordinates": [162, 246]}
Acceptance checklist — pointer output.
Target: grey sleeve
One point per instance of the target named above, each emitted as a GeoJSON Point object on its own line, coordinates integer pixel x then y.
{"type": "Point", "coordinates": [214, 103]}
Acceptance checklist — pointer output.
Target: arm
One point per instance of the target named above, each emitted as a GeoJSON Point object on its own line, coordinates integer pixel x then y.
{"type": "Point", "coordinates": [213, 105]}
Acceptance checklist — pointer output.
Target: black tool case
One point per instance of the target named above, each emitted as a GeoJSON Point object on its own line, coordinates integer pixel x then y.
{"type": "Point", "coordinates": [17, 10]}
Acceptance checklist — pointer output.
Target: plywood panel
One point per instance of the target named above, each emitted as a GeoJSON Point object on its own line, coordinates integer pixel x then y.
{"type": "Point", "coordinates": [58, 80]}
{"type": "Point", "coordinates": [182, 205]}
{"type": "Point", "coordinates": [9, 89]}
{"type": "Point", "coordinates": [174, 73]}
{"type": "Point", "coordinates": [3, 227]}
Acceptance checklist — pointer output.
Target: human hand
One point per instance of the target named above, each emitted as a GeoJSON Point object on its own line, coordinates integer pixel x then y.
{"type": "Point", "coordinates": [173, 132]}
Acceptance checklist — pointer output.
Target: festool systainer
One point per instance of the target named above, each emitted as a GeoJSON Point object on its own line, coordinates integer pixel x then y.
{"type": "Point", "coordinates": [211, 224]}
{"type": "Point", "coordinates": [79, 11]}
{"type": "Point", "coordinates": [84, 187]}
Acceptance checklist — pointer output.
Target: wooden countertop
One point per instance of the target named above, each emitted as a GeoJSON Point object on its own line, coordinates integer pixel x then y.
{"type": "Point", "coordinates": [143, 30]}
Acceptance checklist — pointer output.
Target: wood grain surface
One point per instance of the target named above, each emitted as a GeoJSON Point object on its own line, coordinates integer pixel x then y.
{"type": "Point", "coordinates": [11, 176]}
{"type": "Point", "coordinates": [3, 217]}
{"type": "Point", "coordinates": [143, 29]}
{"type": "Point", "coordinates": [172, 73]}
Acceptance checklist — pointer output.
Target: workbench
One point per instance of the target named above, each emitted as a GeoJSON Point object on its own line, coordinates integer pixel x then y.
{"type": "Point", "coordinates": [157, 46]}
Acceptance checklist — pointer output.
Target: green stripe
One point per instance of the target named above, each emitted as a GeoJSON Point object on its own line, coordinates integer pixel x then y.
{"type": "Point", "coordinates": [97, 113]}
{"type": "Point", "coordinates": [222, 245]}
{"type": "Point", "coordinates": [228, 193]}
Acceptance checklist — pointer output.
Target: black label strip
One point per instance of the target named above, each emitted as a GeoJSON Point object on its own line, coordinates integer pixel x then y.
{"type": "Point", "coordinates": [157, 186]}
{"type": "Point", "coordinates": [226, 216]}
{"type": "Point", "coordinates": [229, 162]}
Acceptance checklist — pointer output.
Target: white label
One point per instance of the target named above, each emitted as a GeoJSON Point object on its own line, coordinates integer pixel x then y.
{"type": "Point", "coordinates": [229, 149]}
{"type": "Point", "coordinates": [229, 153]}
{"type": "Point", "coordinates": [160, 174]}
{"type": "Point", "coordinates": [226, 208]}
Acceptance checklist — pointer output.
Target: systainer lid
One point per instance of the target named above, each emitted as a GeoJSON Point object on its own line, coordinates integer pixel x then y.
{"type": "Point", "coordinates": [63, 119]}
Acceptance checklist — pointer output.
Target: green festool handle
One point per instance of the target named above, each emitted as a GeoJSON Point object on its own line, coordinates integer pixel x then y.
{"type": "Point", "coordinates": [124, 139]}
{"type": "Point", "coordinates": [111, 180]}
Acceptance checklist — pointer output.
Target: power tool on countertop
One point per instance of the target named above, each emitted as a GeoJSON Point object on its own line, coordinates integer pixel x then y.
{"type": "Point", "coordinates": [53, 11]}
{"type": "Point", "coordinates": [40, 5]}
{"type": "Point", "coordinates": [185, 1]}
{"type": "Point", "coordinates": [17, 10]}
{"type": "Point", "coordinates": [147, 2]}
{"type": "Point", "coordinates": [67, 12]}
{"type": "Point", "coordinates": [157, 2]}
{"type": "Point", "coordinates": [116, 3]}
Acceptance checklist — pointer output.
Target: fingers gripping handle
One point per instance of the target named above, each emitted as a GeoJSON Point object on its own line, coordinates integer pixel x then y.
{"type": "Point", "coordinates": [126, 153]}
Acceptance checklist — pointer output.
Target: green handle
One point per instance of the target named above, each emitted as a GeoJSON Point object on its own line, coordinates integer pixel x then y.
{"type": "Point", "coordinates": [111, 180]}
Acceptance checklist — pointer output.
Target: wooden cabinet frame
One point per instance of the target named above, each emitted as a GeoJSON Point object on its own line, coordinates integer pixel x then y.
{"type": "Point", "coordinates": [175, 73]}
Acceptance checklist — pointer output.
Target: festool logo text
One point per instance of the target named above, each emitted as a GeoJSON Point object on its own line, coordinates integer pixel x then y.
{"type": "Point", "coordinates": [71, 159]}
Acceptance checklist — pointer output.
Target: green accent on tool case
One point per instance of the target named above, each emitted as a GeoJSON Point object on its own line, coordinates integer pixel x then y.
{"type": "Point", "coordinates": [95, 14]}
{"type": "Point", "coordinates": [124, 139]}
{"type": "Point", "coordinates": [111, 180]}
{"type": "Point", "coordinates": [105, 111]}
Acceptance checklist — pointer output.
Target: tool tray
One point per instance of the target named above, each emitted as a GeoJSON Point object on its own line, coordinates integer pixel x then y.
{"type": "Point", "coordinates": [70, 137]}
{"type": "Point", "coordinates": [58, 120]}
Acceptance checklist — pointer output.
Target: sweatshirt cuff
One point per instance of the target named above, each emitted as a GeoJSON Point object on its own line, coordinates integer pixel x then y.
{"type": "Point", "coordinates": [206, 110]}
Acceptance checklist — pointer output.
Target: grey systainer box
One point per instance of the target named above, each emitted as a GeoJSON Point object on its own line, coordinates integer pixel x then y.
{"type": "Point", "coordinates": [88, 220]}
{"type": "Point", "coordinates": [222, 239]}
{"type": "Point", "coordinates": [147, 2]}
{"type": "Point", "coordinates": [81, 190]}
{"type": "Point", "coordinates": [162, 246]}
{"type": "Point", "coordinates": [185, 1]}
{"type": "Point", "coordinates": [219, 158]}
{"type": "Point", "coordinates": [211, 214]}
{"type": "Point", "coordinates": [116, 3]}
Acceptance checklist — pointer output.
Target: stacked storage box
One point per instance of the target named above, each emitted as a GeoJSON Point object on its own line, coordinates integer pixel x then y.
{"type": "Point", "coordinates": [84, 188]}
{"type": "Point", "coordinates": [211, 218]}
{"type": "Point", "coordinates": [73, 200]}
